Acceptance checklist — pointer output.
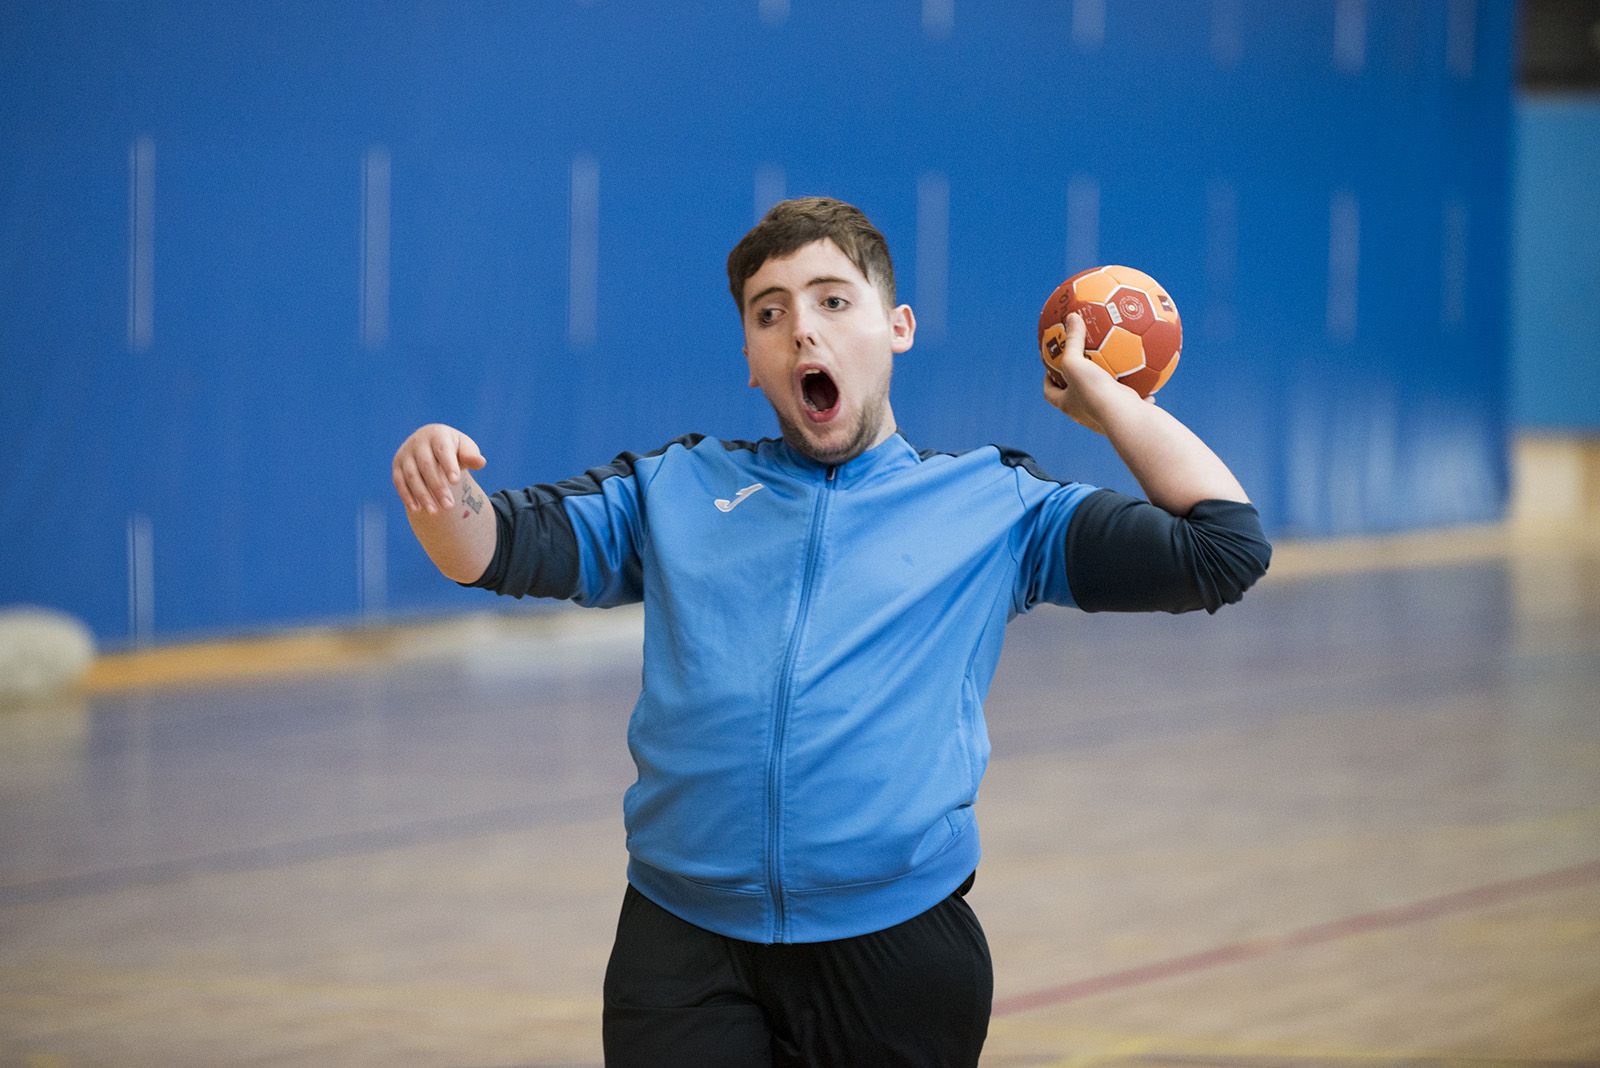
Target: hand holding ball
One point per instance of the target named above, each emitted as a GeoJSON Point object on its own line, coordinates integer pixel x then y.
{"type": "Point", "coordinates": [1131, 326]}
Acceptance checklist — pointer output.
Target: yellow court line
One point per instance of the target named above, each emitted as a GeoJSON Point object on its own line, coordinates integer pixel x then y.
{"type": "Point", "coordinates": [40, 978]}
{"type": "Point", "coordinates": [298, 653]}
{"type": "Point", "coordinates": [1302, 559]}
{"type": "Point", "coordinates": [318, 651]}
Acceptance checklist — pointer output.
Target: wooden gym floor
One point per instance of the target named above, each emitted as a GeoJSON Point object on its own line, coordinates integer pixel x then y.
{"type": "Point", "coordinates": [1354, 820]}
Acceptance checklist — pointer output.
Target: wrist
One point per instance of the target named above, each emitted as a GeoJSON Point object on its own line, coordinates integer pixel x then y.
{"type": "Point", "coordinates": [1114, 402]}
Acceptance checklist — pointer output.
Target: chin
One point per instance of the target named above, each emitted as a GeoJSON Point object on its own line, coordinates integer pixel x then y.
{"type": "Point", "coordinates": [844, 451]}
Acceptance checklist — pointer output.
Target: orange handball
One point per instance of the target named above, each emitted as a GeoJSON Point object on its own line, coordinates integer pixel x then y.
{"type": "Point", "coordinates": [1132, 326]}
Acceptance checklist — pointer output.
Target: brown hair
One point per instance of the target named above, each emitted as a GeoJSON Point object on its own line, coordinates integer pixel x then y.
{"type": "Point", "coordinates": [793, 224]}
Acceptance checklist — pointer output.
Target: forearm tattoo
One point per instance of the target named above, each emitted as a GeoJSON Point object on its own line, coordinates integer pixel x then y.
{"type": "Point", "coordinates": [471, 500]}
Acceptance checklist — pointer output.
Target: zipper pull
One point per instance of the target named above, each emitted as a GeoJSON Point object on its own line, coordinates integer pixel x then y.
{"type": "Point", "coordinates": [831, 469]}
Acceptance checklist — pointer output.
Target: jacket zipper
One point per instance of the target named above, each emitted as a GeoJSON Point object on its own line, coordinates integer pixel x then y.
{"type": "Point", "coordinates": [781, 716]}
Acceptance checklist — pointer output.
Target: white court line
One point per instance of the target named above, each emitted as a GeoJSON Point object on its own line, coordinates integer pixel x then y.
{"type": "Point", "coordinates": [583, 286]}
{"type": "Point", "coordinates": [141, 242]}
{"type": "Point", "coordinates": [375, 181]}
{"type": "Point", "coordinates": [933, 253]}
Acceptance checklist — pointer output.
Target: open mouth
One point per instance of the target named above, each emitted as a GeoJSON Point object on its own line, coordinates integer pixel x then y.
{"type": "Point", "coordinates": [819, 393]}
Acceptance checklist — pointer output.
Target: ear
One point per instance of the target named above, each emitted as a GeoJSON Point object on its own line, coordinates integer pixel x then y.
{"type": "Point", "coordinates": [902, 329]}
{"type": "Point", "coordinates": [746, 350]}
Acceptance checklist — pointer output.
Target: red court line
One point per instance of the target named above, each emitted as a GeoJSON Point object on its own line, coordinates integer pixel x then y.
{"type": "Point", "coordinates": [1398, 916]}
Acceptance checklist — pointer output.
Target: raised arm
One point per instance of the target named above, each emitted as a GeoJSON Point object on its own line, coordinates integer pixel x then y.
{"type": "Point", "coordinates": [448, 511]}
{"type": "Point", "coordinates": [1197, 542]}
{"type": "Point", "coordinates": [1174, 467]}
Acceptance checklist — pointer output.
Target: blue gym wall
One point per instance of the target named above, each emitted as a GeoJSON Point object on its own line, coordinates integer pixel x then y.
{"type": "Point", "coordinates": [245, 249]}
{"type": "Point", "coordinates": [1555, 308]}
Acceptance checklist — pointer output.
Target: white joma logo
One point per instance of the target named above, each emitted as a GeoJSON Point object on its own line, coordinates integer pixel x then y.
{"type": "Point", "coordinates": [726, 505]}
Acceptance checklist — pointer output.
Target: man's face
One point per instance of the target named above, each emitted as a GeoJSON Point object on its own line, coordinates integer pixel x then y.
{"type": "Point", "coordinates": [821, 346]}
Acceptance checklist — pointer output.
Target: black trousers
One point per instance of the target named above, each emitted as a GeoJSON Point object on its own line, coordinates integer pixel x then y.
{"type": "Point", "coordinates": [917, 994]}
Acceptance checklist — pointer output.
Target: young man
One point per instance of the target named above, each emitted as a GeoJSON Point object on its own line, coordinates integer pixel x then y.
{"type": "Point", "coordinates": [823, 616]}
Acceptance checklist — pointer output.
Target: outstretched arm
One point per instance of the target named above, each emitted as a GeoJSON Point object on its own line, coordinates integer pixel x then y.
{"type": "Point", "coordinates": [1174, 467]}
{"type": "Point", "coordinates": [449, 512]}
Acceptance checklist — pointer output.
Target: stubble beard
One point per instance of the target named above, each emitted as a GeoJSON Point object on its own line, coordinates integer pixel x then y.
{"type": "Point", "coordinates": [869, 423]}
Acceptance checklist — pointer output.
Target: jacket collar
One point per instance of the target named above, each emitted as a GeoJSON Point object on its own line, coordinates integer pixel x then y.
{"type": "Point", "coordinates": [889, 455]}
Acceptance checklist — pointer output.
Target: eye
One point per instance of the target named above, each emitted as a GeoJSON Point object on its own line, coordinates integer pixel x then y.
{"type": "Point", "coordinates": [768, 316]}
{"type": "Point", "coordinates": [835, 303]}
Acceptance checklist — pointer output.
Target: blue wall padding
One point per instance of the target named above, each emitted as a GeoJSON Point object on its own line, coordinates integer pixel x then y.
{"type": "Point", "coordinates": [1555, 265]}
{"type": "Point", "coordinates": [227, 471]}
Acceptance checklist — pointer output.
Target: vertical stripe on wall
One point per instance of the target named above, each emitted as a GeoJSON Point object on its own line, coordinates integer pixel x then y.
{"type": "Point", "coordinates": [1088, 23]}
{"type": "Point", "coordinates": [372, 565]}
{"type": "Point", "coordinates": [1350, 35]}
{"type": "Point", "coordinates": [141, 243]}
{"type": "Point", "coordinates": [773, 12]}
{"type": "Point", "coordinates": [938, 18]}
{"type": "Point", "coordinates": [1227, 33]}
{"type": "Point", "coordinates": [375, 248]}
{"type": "Point", "coordinates": [1222, 256]}
{"type": "Point", "coordinates": [141, 580]}
{"type": "Point", "coordinates": [769, 185]}
{"type": "Point", "coordinates": [1453, 264]}
{"type": "Point", "coordinates": [583, 283]}
{"type": "Point", "coordinates": [1344, 264]}
{"type": "Point", "coordinates": [1083, 223]}
{"type": "Point", "coordinates": [933, 253]}
{"type": "Point", "coordinates": [1460, 35]}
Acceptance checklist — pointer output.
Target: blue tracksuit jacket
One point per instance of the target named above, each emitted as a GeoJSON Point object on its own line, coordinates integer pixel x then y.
{"type": "Point", "coordinates": [818, 644]}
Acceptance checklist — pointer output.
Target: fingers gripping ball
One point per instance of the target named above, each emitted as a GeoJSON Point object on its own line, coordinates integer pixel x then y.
{"type": "Point", "coordinates": [1131, 325]}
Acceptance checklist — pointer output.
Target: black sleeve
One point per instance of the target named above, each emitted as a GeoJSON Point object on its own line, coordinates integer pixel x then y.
{"type": "Point", "coordinates": [535, 549]}
{"type": "Point", "coordinates": [1127, 555]}
{"type": "Point", "coordinates": [540, 550]}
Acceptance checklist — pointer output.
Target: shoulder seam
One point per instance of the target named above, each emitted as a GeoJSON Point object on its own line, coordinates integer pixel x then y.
{"type": "Point", "coordinates": [737, 444]}
{"type": "Point", "coordinates": [1013, 458]}
{"type": "Point", "coordinates": [623, 464]}
{"type": "Point", "coordinates": [689, 443]}
{"type": "Point", "coordinates": [1016, 458]}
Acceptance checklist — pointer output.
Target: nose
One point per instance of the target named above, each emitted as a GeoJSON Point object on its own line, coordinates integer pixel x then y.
{"type": "Point", "coordinates": [805, 333]}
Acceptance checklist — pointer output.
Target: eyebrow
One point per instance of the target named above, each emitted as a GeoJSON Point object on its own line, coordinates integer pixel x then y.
{"type": "Point", "coordinates": [820, 280]}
